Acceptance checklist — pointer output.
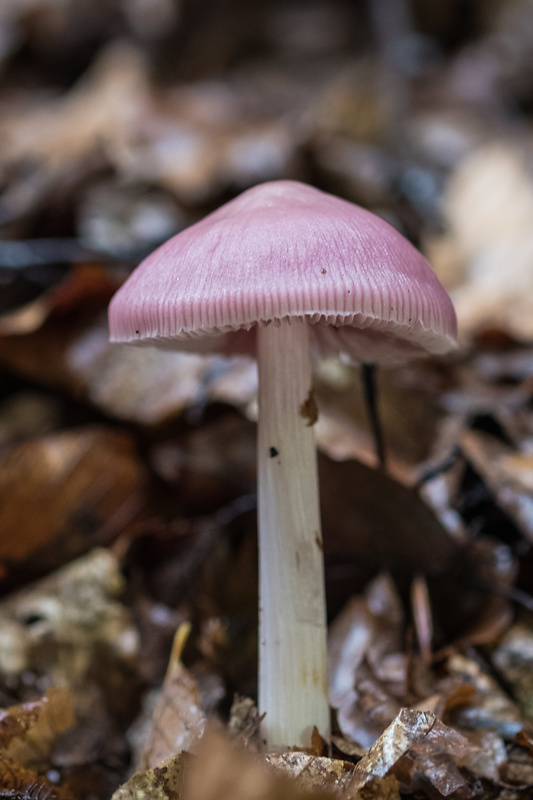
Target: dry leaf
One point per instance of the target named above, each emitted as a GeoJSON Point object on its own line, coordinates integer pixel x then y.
{"type": "Point", "coordinates": [18, 782]}
{"type": "Point", "coordinates": [312, 773]}
{"type": "Point", "coordinates": [64, 493]}
{"type": "Point", "coordinates": [164, 782]}
{"type": "Point", "coordinates": [414, 732]}
{"type": "Point", "coordinates": [491, 230]}
{"type": "Point", "coordinates": [39, 723]}
{"type": "Point", "coordinates": [225, 771]}
{"type": "Point", "coordinates": [178, 719]}
{"type": "Point", "coordinates": [489, 708]}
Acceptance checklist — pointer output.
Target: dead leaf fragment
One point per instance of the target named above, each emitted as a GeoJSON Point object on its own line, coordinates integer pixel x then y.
{"type": "Point", "coordinates": [39, 723]}
{"type": "Point", "coordinates": [310, 773]}
{"type": "Point", "coordinates": [178, 720]}
{"type": "Point", "coordinates": [414, 732]}
{"type": "Point", "coordinates": [164, 782]}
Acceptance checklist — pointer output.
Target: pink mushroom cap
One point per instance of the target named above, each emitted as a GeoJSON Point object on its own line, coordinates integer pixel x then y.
{"type": "Point", "coordinates": [287, 250]}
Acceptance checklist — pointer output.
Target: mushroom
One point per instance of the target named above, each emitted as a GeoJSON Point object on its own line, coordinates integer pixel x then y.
{"type": "Point", "coordinates": [279, 271]}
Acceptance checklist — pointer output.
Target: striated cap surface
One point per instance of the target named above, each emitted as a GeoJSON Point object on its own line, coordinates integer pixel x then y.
{"type": "Point", "coordinates": [285, 249]}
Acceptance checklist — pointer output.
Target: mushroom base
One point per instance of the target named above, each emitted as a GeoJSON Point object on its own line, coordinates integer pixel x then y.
{"type": "Point", "coordinates": [293, 691]}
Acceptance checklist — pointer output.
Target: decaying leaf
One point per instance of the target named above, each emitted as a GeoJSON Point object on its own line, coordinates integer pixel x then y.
{"type": "Point", "coordinates": [178, 719]}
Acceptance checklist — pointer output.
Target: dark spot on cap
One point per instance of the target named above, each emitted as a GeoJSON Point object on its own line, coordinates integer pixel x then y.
{"type": "Point", "coordinates": [273, 452]}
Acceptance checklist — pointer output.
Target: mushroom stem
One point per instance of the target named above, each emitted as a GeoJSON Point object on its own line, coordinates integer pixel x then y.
{"type": "Point", "coordinates": [293, 691]}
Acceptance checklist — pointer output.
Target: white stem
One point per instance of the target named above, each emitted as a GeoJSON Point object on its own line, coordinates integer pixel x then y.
{"type": "Point", "coordinates": [293, 690]}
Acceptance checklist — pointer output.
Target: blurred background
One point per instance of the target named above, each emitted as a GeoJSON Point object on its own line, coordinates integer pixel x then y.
{"type": "Point", "coordinates": [122, 121]}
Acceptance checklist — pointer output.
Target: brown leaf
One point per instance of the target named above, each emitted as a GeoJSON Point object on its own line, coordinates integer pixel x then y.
{"type": "Point", "coordinates": [178, 719]}
{"type": "Point", "coordinates": [64, 493]}
{"type": "Point", "coordinates": [86, 288]}
{"type": "Point", "coordinates": [18, 782]}
{"type": "Point", "coordinates": [39, 723]}
{"type": "Point", "coordinates": [525, 739]}
{"type": "Point", "coordinates": [224, 771]}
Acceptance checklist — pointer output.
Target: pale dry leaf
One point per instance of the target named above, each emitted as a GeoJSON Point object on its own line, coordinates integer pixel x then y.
{"type": "Point", "coordinates": [489, 209]}
{"type": "Point", "coordinates": [414, 732]}
{"type": "Point", "coordinates": [310, 773]}
{"type": "Point", "coordinates": [489, 755]}
{"type": "Point", "coordinates": [366, 663]}
{"type": "Point", "coordinates": [480, 214]}
{"type": "Point", "coordinates": [178, 719]}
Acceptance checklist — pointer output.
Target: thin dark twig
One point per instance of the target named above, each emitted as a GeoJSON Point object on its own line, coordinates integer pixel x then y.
{"type": "Point", "coordinates": [368, 376]}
